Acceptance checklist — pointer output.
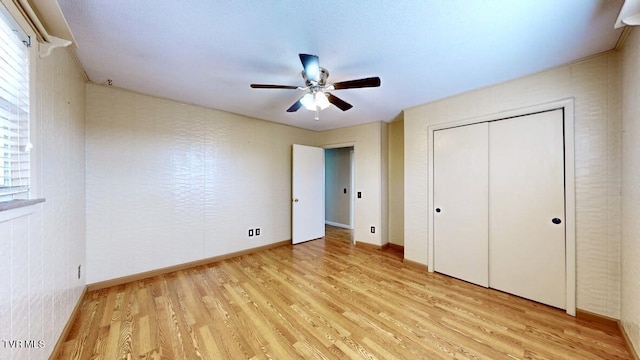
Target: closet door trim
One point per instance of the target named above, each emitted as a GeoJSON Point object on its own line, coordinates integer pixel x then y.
{"type": "Point", "coordinates": [567, 105]}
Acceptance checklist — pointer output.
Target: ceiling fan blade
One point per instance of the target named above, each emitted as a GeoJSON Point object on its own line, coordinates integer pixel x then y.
{"type": "Point", "coordinates": [269, 86]}
{"type": "Point", "coordinates": [295, 106]}
{"type": "Point", "coordinates": [343, 105]}
{"type": "Point", "coordinates": [311, 65]}
{"type": "Point", "coordinates": [360, 83]}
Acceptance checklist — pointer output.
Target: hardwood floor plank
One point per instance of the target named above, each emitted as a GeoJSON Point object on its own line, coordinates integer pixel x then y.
{"type": "Point", "coordinates": [211, 348]}
{"type": "Point", "coordinates": [112, 341]}
{"type": "Point", "coordinates": [325, 299]}
{"type": "Point", "coordinates": [99, 349]}
{"type": "Point", "coordinates": [164, 328]}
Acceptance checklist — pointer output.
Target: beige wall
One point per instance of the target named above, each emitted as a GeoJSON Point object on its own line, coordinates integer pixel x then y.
{"type": "Point", "coordinates": [594, 84]}
{"type": "Point", "coordinates": [396, 182]}
{"type": "Point", "coordinates": [630, 299]}
{"type": "Point", "coordinates": [338, 178]}
{"type": "Point", "coordinates": [170, 183]}
{"type": "Point", "coordinates": [40, 252]}
{"type": "Point", "coordinates": [174, 183]}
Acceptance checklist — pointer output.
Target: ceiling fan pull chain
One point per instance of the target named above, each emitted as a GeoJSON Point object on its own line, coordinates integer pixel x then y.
{"type": "Point", "coordinates": [317, 117]}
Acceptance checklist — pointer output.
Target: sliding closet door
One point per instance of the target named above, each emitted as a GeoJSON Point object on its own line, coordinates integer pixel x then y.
{"type": "Point", "coordinates": [526, 207]}
{"type": "Point", "coordinates": [460, 203]}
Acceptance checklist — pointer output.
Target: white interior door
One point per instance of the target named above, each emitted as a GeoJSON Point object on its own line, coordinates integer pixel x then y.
{"type": "Point", "coordinates": [460, 203]}
{"type": "Point", "coordinates": [526, 194]}
{"type": "Point", "coordinates": [307, 215]}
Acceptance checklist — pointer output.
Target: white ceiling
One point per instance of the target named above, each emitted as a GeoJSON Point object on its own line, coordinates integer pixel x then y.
{"type": "Point", "coordinates": [208, 52]}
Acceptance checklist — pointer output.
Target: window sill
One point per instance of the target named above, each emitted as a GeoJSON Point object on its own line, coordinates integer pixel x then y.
{"type": "Point", "coordinates": [16, 208]}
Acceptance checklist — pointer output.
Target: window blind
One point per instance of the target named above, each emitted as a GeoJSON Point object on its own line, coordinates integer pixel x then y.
{"type": "Point", "coordinates": [14, 108]}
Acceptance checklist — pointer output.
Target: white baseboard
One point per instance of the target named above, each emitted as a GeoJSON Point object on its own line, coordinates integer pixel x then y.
{"type": "Point", "coordinates": [337, 224]}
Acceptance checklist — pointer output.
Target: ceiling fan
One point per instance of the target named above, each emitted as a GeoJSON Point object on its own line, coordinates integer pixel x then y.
{"type": "Point", "coordinates": [318, 96]}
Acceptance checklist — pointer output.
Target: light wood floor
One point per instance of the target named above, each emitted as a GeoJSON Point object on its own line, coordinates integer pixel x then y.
{"type": "Point", "coordinates": [325, 299]}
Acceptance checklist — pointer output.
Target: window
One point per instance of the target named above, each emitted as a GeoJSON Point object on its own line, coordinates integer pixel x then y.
{"type": "Point", "coordinates": [14, 109]}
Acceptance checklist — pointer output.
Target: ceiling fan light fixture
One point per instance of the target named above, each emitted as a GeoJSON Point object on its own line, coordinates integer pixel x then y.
{"type": "Point", "coordinates": [321, 100]}
{"type": "Point", "coordinates": [311, 101]}
{"type": "Point", "coordinates": [308, 102]}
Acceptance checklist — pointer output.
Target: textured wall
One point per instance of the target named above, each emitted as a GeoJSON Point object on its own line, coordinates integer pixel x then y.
{"type": "Point", "coordinates": [366, 140]}
{"type": "Point", "coordinates": [170, 183]}
{"type": "Point", "coordinates": [630, 299]}
{"type": "Point", "coordinates": [595, 85]}
{"type": "Point", "coordinates": [337, 178]}
{"type": "Point", "coordinates": [39, 253]}
{"type": "Point", "coordinates": [396, 182]}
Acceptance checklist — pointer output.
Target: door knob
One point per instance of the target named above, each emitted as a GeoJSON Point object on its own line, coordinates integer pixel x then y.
{"type": "Point", "coordinates": [556, 221]}
{"type": "Point", "coordinates": [295, 200]}
{"type": "Point", "coordinates": [437, 210]}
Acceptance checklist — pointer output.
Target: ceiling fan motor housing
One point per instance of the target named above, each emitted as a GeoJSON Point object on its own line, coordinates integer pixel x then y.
{"type": "Point", "coordinates": [324, 74]}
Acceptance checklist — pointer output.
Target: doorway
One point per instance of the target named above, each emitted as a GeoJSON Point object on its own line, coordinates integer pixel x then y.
{"type": "Point", "coordinates": [339, 186]}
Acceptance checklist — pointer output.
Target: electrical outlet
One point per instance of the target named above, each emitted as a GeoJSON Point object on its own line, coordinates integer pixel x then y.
{"type": "Point", "coordinates": [250, 232]}
{"type": "Point", "coordinates": [373, 229]}
{"type": "Point", "coordinates": [257, 231]}
{"type": "Point", "coordinates": [79, 271]}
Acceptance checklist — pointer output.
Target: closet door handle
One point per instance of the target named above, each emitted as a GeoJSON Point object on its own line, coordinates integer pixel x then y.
{"type": "Point", "coordinates": [556, 221]}
{"type": "Point", "coordinates": [438, 210]}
